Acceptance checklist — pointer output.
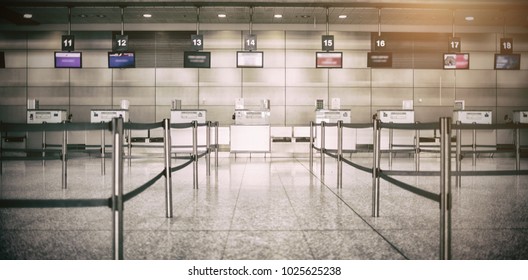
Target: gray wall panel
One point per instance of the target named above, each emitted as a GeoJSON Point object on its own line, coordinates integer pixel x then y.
{"type": "Point", "coordinates": [391, 96]}
{"type": "Point", "coordinates": [82, 114]}
{"type": "Point", "coordinates": [222, 40]}
{"type": "Point", "coordinates": [434, 78]}
{"type": "Point", "coordinates": [349, 77]}
{"type": "Point", "coordinates": [96, 96]}
{"type": "Point", "coordinates": [93, 40]}
{"type": "Point", "coordinates": [221, 114]}
{"type": "Point", "coordinates": [350, 40]}
{"type": "Point", "coordinates": [274, 58]}
{"type": "Point", "coordinates": [481, 60]}
{"type": "Point", "coordinates": [276, 95]}
{"type": "Point", "coordinates": [277, 117]}
{"type": "Point", "coordinates": [187, 95]}
{"type": "Point", "coordinates": [303, 40]}
{"type": "Point", "coordinates": [355, 59]}
{"type": "Point", "coordinates": [476, 78]}
{"type": "Point", "coordinates": [307, 77]}
{"type": "Point", "coordinates": [477, 42]}
{"type": "Point", "coordinates": [41, 59]}
{"type": "Point", "coordinates": [12, 96]}
{"type": "Point", "coordinates": [512, 97]}
{"type": "Point", "coordinates": [352, 96]}
{"type": "Point", "coordinates": [477, 96]}
{"type": "Point", "coordinates": [300, 115]}
{"type": "Point", "coordinates": [45, 40]}
{"type": "Point", "coordinates": [512, 79]}
{"type": "Point", "coordinates": [360, 114]}
{"type": "Point", "coordinates": [433, 97]}
{"type": "Point", "coordinates": [139, 77]}
{"type": "Point", "coordinates": [392, 78]}
{"type": "Point", "coordinates": [263, 77]}
{"type": "Point", "coordinates": [13, 114]}
{"type": "Point", "coordinates": [142, 114]}
{"type": "Point", "coordinates": [222, 77]}
{"type": "Point", "coordinates": [48, 77]}
{"type": "Point", "coordinates": [15, 59]}
{"type": "Point", "coordinates": [305, 96]}
{"type": "Point", "coordinates": [12, 77]}
{"type": "Point", "coordinates": [50, 96]}
{"type": "Point", "coordinates": [95, 59]}
{"type": "Point", "coordinates": [300, 59]}
{"type": "Point", "coordinates": [91, 77]}
{"type": "Point", "coordinates": [176, 77]}
{"type": "Point", "coordinates": [269, 39]}
{"type": "Point", "coordinates": [223, 58]}
{"type": "Point", "coordinates": [223, 96]}
{"type": "Point", "coordinates": [163, 112]}
{"type": "Point", "coordinates": [137, 96]}
{"type": "Point", "coordinates": [432, 114]}
{"type": "Point", "coordinates": [13, 40]}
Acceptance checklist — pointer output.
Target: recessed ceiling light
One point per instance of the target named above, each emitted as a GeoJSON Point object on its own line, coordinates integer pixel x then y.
{"type": "Point", "coordinates": [147, 15]}
{"type": "Point", "coordinates": [222, 15]}
{"type": "Point", "coordinates": [343, 16]}
{"type": "Point", "coordinates": [83, 16]}
{"type": "Point", "coordinates": [28, 16]}
{"type": "Point", "coordinates": [101, 16]}
{"type": "Point", "coordinates": [277, 16]}
{"type": "Point", "coordinates": [305, 16]}
{"type": "Point", "coordinates": [469, 18]}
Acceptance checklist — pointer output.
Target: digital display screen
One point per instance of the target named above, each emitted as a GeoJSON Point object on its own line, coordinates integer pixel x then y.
{"type": "Point", "coordinates": [68, 60]}
{"type": "Point", "coordinates": [507, 61]}
{"type": "Point", "coordinates": [250, 59]}
{"type": "Point", "coordinates": [379, 59]}
{"type": "Point", "coordinates": [197, 60]}
{"type": "Point", "coordinates": [121, 60]}
{"type": "Point", "coordinates": [456, 61]}
{"type": "Point", "coordinates": [329, 60]}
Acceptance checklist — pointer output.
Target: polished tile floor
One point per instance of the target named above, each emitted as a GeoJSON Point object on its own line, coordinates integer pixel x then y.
{"type": "Point", "coordinates": [263, 208]}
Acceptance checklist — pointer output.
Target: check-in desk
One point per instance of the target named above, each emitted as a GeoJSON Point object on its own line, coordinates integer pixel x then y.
{"type": "Point", "coordinates": [39, 116]}
{"type": "Point", "coordinates": [332, 117]}
{"type": "Point", "coordinates": [521, 117]}
{"type": "Point", "coordinates": [251, 132]}
{"type": "Point", "coordinates": [477, 139]}
{"type": "Point", "coordinates": [182, 138]}
{"type": "Point", "coordinates": [104, 116]}
{"type": "Point", "coordinates": [397, 138]}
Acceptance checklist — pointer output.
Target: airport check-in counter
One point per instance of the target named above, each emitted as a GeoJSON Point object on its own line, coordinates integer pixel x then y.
{"type": "Point", "coordinates": [333, 116]}
{"type": "Point", "coordinates": [39, 116]}
{"type": "Point", "coordinates": [104, 116]}
{"type": "Point", "coordinates": [521, 117]}
{"type": "Point", "coordinates": [251, 132]}
{"type": "Point", "coordinates": [402, 139]}
{"type": "Point", "coordinates": [483, 137]}
{"type": "Point", "coordinates": [182, 138]}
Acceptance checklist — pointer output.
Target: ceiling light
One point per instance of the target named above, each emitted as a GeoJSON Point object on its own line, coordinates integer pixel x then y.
{"type": "Point", "coordinates": [469, 18]}
{"type": "Point", "coordinates": [305, 16]}
{"type": "Point", "coordinates": [28, 16]}
{"type": "Point", "coordinates": [101, 16]}
{"type": "Point", "coordinates": [83, 16]}
{"type": "Point", "coordinates": [147, 15]}
{"type": "Point", "coordinates": [277, 16]}
{"type": "Point", "coordinates": [222, 15]}
{"type": "Point", "coordinates": [343, 16]}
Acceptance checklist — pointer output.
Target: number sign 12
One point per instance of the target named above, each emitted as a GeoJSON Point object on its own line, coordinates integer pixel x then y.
{"type": "Point", "coordinates": [120, 43]}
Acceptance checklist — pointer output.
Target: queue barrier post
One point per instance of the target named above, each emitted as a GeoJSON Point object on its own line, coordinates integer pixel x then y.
{"type": "Point", "coordinates": [517, 132]}
{"type": "Point", "coordinates": [376, 167]}
{"type": "Point", "coordinates": [168, 173]}
{"type": "Point", "coordinates": [43, 147]}
{"type": "Point", "coordinates": [117, 183]}
{"type": "Point", "coordinates": [322, 151]}
{"type": "Point", "coordinates": [458, 160]}
{"type": "Point", "coordinates": [474, 147]}
{"type": "Point", "coordinates": [103, 167]}
{"type": "Point", "coordinates": [208, 147]}
{"type": "Point", "coordinates": [311, 145]}
{"type": "Point", "coordinates": [129, 139]}
{"type": "Point", "coordinates": [417, 150]}
{"type": "Point", "coordinates": [217, 146]}
{"type": "Point", "coordinates": [195, 154]}
{"type": "Point", "coordinates": [64, 159]}
{"type": "Point", "coordinates": [445, 188]}
{"type": "Point", "coordinates": [340, 154]}
{"type": "Point", "coordinates": [391, 144]}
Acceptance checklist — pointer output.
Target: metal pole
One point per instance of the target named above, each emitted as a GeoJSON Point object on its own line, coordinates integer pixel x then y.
{"type": "Point", "coordinates": [43, 147]}
{"type": "Point", "coordinates": [103, 148]}
{"type": "Point", "coordinates": [391, 138]}
{"type": "Point", "coordinates": [195, 154]}
{"type": "Point", "coordinates": [311, 145]}
{"type": "Point", "coordinates": [474, 147]}
{"type": "Point", "coordinates": [458, 159]}
{"type": "Point", "coordinates": [323, 136]}
{"type": "Point", "coordinates": [445, 189]}
{"type": "Point", "coordinates": [340, 154]}
{"type": "Point", "coordinates": [208, 147]}
{"type": "Point", "coordinates": [376, 168]}
{"type": "Point", "coordinates": [517, 132]}
{"type": "Point", "coordinates": [168, 173]}
{"type": "Point", "coordinates": [117, 183]}
{"type": "Point", "coordinates": [417, 150]}
{"type": "Point", "coordinates": [64, 159]}
{"type": "Point", "coordinates": [129, 139]}
{"type": "Point", "coordinates": [217, 146]}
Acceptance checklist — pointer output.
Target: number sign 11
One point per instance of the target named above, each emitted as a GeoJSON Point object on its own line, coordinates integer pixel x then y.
{"type": "Point", "coordinates": [68, 43]}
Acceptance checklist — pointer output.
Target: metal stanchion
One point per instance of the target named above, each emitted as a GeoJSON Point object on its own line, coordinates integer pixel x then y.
{"type": "Point", "coordinates": [129, 139]}
{"type": "Point", "coordinates": [217, 146]}
{"type": "Point", "coordinates": [474, 147]}
{"type": "Point", "coordinates": [195, 154]}
{"type": "Point", "coordinates": [417, 150]}
{"type": "Point", "coordinates": [311, 145]}
{"type": "Point", "coordinates": [64, 159]}
{"type": "Point", "coordinates": [208, 147]}
{"type": "Point", "coordinates": [445, 188]}
{"type": "Point", "coordinates": [376, 168]}
{"type": "Point", "coordinates": [517, 132]}
{"type": "Point", "coordinates": [117, 183]}
{"type": "Point", "coordinates": [339, 154]}
{"type": "Point", "coordinates": [43, 147]}
{"type": "Point", "coordinates": [322, 141]}
{"type": "Point", "coordinates": [103, 167]}
{"type": "Point", "coordinates": [168, 173]}
{"type": "Point", "coordinates": [391, 143]}
{"type": "Point", "coordinates": [458, 159]}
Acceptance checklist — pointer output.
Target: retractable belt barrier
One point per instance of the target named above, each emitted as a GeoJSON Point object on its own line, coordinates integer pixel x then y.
{"type": "Point", "coordinates": [117, 200]}
{"type": "Point", "coordinates": [445, 150]}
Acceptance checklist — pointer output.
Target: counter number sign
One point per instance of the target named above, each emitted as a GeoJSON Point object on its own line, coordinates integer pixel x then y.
{"type": "Point", "coordinates": [68, 43]}
{"type": "Point", "coordinates": [197, 42]}
{"type": "Point", "coordinates": [454, 45]}
{"type": "Point", "coordinates": [328, 42]}
{"type": "Point", "coordinates": [250, 42]}
{"type": "Point", "coordinates": [506, 45]}
{"type": "Point", "coordinates": [120, 43]}
{"type": "Point", "coordinates": [380, 43]}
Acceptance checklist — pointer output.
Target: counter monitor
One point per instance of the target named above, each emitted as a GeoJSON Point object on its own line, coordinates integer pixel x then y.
{"type": "Point", "coordinates": [68, 60]}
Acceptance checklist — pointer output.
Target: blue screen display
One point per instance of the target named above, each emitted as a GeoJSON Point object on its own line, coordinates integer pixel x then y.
{"type": "Point", "coordinates": [121, 60]}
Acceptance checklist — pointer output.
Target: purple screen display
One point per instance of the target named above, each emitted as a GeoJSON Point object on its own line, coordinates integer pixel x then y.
{"type": "Point", "coordinates": [68, 60]}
